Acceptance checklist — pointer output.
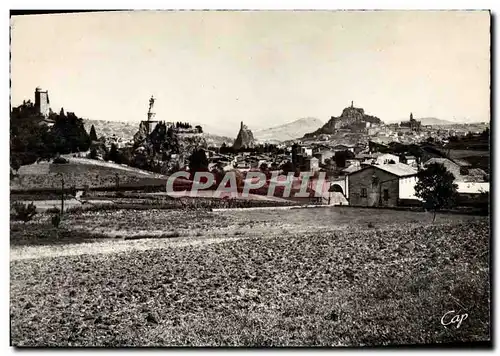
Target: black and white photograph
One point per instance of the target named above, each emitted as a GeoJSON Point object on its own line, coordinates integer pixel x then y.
{"type": "Point", "coordinates": [250, 178]}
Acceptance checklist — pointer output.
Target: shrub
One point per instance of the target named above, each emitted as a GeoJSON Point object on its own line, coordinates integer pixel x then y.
{"type": "Point", "coordinates": [53, 210]}
{"type": "Point", "coordinates": [56, 220]}
{"type": "Point", "coordinates": [60, 160]}
{"type": "Point", "coordinates": [24, 212]}
{"type": "Point", "coordinates": [93, 154]}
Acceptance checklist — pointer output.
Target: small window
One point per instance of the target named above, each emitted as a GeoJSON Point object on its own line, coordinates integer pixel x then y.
{"type": "Point", "coordinates": [386, 194]}
{"type": "Point", "coordinates": [364, 193]}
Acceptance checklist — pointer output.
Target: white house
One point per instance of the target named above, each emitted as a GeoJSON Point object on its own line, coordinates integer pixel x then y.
{"type": "Point", "coordinates": [386, 158]}
{"type": "Point", "coordinates": [407, 187]}
{"type": "Point", "coordinates": [473, 187]}
{"type": "Point", "coordinates": [469, 181]}
{"type": "Point", "coordinates": [308, 151]}
{"type": "Point", "coordinates": [381, 185]}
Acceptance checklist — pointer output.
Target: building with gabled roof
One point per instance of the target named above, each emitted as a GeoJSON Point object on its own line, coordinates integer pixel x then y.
{"type": "Point", "coordinates": [381, 185]}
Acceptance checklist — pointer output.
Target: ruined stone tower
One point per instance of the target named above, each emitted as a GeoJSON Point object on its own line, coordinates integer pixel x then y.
{"type": "Point", "coordinates": [42, 104]}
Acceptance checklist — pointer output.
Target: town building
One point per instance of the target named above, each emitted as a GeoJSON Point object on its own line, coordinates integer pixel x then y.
{"type": "Point", "coordinates": [468, 180]}
{"type": "Point", "coordinates": [312, 164]}
{"type": "Point", "coordinates": [412, 124]}
{"type": "Point", "coordinates": [383, 185]}
{"type": "Point", "coordinates": [409, 160]}
{"type": "Point", "coordinates": [306, 151]}
{"type": "Point", "coordinates": [386, 158]}
{"type": "Point", "coordinates": [323, 154]}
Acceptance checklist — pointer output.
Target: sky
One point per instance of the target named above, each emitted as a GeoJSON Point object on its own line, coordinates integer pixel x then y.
{"type": "Point", "coordinates": [265, 68]}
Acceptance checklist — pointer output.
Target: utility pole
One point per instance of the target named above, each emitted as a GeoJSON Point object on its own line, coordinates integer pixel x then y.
{"type": "Point", "coordinates": [62, 194]}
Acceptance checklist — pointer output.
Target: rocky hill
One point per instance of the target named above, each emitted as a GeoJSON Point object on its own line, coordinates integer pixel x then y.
{"type": "Point", "coordinates": [166, 149]}
{"type": "Point", "coordinates": [289, 131]}
{"type": "Point", "coordinates": [352, 118]}
{"type": "Point", "coordinates": [245, 138]}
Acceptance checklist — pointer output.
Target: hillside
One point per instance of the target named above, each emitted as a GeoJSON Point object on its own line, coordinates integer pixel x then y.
{"type": "Point", "coordinates": [127, 130]}
{"type": "Point", "coordinates": [80, 172]}
{"type": "Point", "coordinates": [215, 140]}
{"type": "Point", "coordinates": [289, 131]}
{"type": "Point", "coordinates": [122, 129]}
{"type": "Point", "coordinates": [352, 118]}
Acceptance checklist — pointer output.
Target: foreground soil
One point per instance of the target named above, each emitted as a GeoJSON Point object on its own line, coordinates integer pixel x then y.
{"type": "Point", "coordinates": [350, 286]}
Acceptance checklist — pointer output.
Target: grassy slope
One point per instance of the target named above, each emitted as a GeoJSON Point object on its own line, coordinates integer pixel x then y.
{"type": "Point", "coordinates": [348, 285]}
{"type": "Point", "coordinates": [79, 172]}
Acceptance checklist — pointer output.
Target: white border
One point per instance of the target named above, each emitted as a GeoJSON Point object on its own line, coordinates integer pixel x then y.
{"type": "Point", "coordinates": [192, 4]}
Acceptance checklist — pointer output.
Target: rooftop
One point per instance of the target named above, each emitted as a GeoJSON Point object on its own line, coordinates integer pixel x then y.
{"type": "Point", "coordinates": [398, 169]}
{"type": "Point", "coordinates": [351, 169]}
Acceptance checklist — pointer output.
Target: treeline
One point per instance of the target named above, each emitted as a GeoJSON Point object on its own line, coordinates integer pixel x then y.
{"type": "Point", "coordinates": [471, 141]}
{"type": "Point", "coordinates": [183, 125]}
{"type": "Point", "coordinates": [32, 139]}
{"type": "Point", "coordinates": [258, 149]}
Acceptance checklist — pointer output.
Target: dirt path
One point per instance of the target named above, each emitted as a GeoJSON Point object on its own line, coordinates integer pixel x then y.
{"type": "Point", "coordinates": [109, 247]}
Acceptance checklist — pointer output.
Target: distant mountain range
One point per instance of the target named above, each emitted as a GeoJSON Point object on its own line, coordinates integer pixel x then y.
{"type": "Point", "coordinates": [293, 130]}
{"type": "Point", "coordinates": [436, 121]}
{"type": "Point", "coordinates": [440, 122]}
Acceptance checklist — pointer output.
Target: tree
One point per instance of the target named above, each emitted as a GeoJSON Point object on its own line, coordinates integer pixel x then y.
{"type": "Point", "coordinates": [435, 186]}
{"type": "Point", "coordinates": [69, 134]}
{"type": "Point", "coordinates": [288, 167]}
{"type": "Point", "coordinates": [198, 162]}
{"type": "Point", "coordinates": [340, 158]}
{"type": "Point", "coordinates": [30, 137]}
{"type": "Point", "coordinates": [93, 135]}
{"type": "Point", "coordinates": [113, 154]}
{"type": "Point", "coordinates": [14, 164]}
{"type": "Point", "coordinates": [93, 153]}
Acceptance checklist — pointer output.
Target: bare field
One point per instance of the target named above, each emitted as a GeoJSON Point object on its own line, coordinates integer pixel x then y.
{"type": "Point", "coordinates": [128, 223]}
{"type": "Point", "coordinates": [319, 277]}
